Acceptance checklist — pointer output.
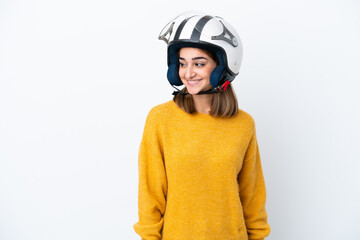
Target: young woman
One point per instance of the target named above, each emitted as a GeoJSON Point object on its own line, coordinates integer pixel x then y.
{"type": "Point", "coordinates": [200, 175]}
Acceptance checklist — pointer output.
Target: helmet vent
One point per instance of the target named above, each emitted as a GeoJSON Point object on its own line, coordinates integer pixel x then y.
{"type": "Point", "coordinates": [231, 39]}
{"type": "Point", "coordinates": [166, 35]}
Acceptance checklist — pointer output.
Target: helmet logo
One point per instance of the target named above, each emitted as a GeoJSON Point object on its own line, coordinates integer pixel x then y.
{"type": "Point", "coordinates": [166, 35]}
{"type": "Point", "coordinates": [232, 40]}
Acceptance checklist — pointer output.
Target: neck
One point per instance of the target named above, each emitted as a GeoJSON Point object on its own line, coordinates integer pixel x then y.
{"type": "Point", "coordinates": [203, 102]}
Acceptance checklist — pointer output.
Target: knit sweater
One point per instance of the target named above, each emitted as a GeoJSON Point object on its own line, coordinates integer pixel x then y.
{"type": "Point", "coordinates": [200, 177]}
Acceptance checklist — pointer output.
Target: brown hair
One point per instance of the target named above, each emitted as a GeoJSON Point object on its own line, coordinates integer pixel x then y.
{"type": "Point", "coordinates": [223, 104]}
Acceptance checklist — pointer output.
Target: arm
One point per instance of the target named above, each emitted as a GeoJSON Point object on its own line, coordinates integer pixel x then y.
{"type": "Point", "coordinates": [152, 182]}
{"type": "Point", "coordinates": [253, 193]}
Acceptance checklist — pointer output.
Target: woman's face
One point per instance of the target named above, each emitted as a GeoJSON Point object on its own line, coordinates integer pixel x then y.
{"type": "Point", "coordinates": [195, 67]}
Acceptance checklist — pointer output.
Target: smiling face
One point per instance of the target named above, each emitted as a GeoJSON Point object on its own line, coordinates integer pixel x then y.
{"type": "Point", "coordinates": [195, 67]}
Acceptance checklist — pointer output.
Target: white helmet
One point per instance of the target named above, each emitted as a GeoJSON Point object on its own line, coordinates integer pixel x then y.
{"type": "Point", "coordinates": [195, 29]}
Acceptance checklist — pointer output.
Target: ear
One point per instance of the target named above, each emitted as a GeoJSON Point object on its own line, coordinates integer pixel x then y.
{"type": "Point", "coordinates": [173, 75]}
{"type": "Point", "coordinates": [216, 75]}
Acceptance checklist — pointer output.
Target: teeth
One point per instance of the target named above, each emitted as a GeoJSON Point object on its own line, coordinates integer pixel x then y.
{"type": "Point", "coordinates": [193, 82]}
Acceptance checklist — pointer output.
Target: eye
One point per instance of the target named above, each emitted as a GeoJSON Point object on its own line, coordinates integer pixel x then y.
{"type": "Point", "coordinates": [181, 64]}
{"type": "Point", "coordinates": [199, 64]}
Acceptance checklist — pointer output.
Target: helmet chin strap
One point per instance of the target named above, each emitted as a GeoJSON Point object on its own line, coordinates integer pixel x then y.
{"type": "Point", "coordinates": [210, 91]}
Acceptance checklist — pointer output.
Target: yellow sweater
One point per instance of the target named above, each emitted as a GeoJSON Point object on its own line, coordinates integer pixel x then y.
{"type": "Point", "coordinates": [200, 177]}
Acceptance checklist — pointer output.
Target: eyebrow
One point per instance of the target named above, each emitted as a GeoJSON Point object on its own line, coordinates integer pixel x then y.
{"type": "Point", "coordinates": [195, 58]}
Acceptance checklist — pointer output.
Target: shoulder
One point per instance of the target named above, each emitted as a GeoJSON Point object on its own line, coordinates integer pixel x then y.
{"type": "Point", "coordinates": [161, 108]}
{"type": "Point", "coordinates": [159, 112]}
{"type": "Point", "coordinates": [246, 118]}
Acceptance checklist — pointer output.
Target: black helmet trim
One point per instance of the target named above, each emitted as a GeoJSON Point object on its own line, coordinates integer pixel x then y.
{"type": "Point", "coordinates": [180, 28]}
{"type": "Point", "coordinates": [195, 36]}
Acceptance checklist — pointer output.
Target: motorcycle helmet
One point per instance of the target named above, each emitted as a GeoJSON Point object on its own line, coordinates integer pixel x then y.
{"type": "Point", "coordinates": [204, 31]}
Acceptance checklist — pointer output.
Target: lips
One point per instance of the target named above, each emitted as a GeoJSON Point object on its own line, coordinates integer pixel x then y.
{"type": "Point", "coordinates": [193, 82]}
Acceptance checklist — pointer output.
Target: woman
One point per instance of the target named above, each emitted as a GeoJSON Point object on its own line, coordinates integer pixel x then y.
{"type": "Point", "coordinates": [200, 174]}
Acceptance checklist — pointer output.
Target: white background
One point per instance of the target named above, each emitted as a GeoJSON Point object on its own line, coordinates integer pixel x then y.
{"type": "Point", "coordinates": [77, 79]}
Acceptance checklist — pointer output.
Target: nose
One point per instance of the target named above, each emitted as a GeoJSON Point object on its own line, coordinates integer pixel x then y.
{"type": "Point", "coordinates": [190, 73]}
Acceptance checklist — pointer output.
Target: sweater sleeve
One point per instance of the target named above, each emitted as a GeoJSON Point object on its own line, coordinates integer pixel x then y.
{"type": "Point", "coordinates": [152, 181]}
{"type": "Point", "coordinates": [253, 193]}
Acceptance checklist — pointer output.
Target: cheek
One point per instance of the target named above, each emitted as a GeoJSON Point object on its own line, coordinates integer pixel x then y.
{"type": "Point", "coordinates": [181, 72]}
{"type": "Point", "coordinates": [206, 72]}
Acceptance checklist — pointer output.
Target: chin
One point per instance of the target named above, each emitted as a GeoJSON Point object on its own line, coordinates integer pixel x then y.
{"type": "Point", "coordinates": [192, 90]}
{"type": "Point", "coordinates": [196, 91]}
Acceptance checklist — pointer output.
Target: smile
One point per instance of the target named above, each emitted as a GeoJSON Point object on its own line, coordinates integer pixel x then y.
{"type": "Point", "coordinates": [193, 83]}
